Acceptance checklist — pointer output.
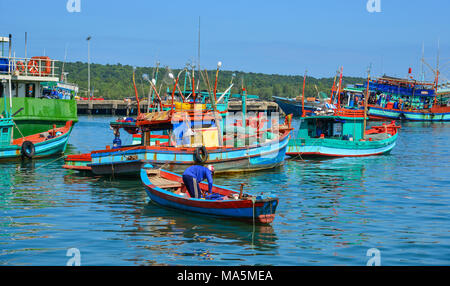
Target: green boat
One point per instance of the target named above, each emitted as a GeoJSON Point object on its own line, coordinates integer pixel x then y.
{"type": "Point", "coordinates": [341, 134]}
{"type": "Point", "coordinates": [40, 99]}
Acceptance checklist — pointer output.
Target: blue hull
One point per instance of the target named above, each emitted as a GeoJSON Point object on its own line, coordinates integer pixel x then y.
{"type": "Point", "coordinates": [290, 106]}
{"type": "Point", "coordinates": [252, 208]}
{"type": "Point", "coordinates": [129, 161]}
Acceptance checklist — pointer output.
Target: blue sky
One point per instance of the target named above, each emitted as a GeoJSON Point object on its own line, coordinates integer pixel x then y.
{"type": "Point", "coordinates": [282, 37]}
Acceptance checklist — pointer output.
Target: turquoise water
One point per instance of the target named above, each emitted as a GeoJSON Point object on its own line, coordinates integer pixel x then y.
{"type": "Point", "coordinates": [331, 212]}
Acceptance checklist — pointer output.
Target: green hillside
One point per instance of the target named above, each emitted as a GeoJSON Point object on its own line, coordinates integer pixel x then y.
{"type": "Point", "coordinates": [115, 81]}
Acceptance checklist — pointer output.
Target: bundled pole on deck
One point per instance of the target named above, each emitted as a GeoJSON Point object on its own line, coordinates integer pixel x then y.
{"type": "Point", "coordinates": [303, 95]}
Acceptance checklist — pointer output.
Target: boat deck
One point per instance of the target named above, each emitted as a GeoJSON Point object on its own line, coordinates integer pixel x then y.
{"type": "Point", "coordinates": [156, 179]}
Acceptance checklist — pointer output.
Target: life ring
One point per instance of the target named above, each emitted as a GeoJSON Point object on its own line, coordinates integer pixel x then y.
{"type": "Point", "coordinates": [33, 67]}
{"type": "Point", "coordinates": [46, 65]}
{"type": "Point", "coordinates": [201, 155]}
{"type": "Point", "coordinates": [41, 65]}
{"type": "Point", "coordinates": [20, 66]}
{"type": "Point", "coordinates": [27, 149]}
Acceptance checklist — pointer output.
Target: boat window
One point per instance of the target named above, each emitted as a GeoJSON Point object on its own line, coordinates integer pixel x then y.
{"type": "Point", "coordinates": [29, 90]}
{"type": "Point", "coordinates": [5, 130]}
{"type": "Point", "coordinates": [337, 129]}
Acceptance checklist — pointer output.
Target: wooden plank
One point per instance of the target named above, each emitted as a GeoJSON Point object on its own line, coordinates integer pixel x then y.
{"type": "Point", "coordinates": [164, 183]}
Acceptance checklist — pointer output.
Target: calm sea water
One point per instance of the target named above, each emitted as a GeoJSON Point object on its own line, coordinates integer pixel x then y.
{"type": "Point", "coordinates": [331, 212]}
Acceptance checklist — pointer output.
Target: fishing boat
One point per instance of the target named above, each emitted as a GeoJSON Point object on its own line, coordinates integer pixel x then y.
{"type": "Point", "coordinates": [167, 189]}
{"type": "Point", "coordinates": [192, 140]}
{"type": "Point", "coordinates": [406, 99]}
{"type": "Point", "coordinates": [40, 95]}
{"type": "Point", "coordinates": [51, 142]}
{"type": "Point", "coordinates": [342, 134]}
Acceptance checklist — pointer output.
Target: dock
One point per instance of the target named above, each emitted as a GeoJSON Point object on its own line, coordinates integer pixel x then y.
{"type": "Point", "coordinates": [121, 107]}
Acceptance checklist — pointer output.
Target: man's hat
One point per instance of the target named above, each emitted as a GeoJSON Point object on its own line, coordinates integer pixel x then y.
{"type": "Point", "coordinates": [211, 168]}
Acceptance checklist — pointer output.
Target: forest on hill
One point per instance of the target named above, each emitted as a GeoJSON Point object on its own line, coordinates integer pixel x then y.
{"type": "Point", "coordinates": [115, 81]}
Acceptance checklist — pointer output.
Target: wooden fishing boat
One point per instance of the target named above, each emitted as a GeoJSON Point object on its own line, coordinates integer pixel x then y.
{"type": "Point", "coordinates": [238, 152]}
{"type": "Point", "coordinates": [406, 99]}
{"type": "Point", "coordinates": [51, 142]}
{"type": "Point", "coordinates": [341, 135]}
{"type": "Point", "coordinates": [167, 189]}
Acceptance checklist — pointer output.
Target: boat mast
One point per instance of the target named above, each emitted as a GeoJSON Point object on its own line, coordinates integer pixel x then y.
{"type": "Point", "coordinates": [339, 89]}
{"type": "Point", "coordinates": [199, 71]}
{"type": "Point", "coordinates": [10, 76]}
{"type": "Point", "coordinates": [303, 95]}
{"type": "Point", "coordinates": [366, 98]}
{"type": "Point", "coordinates": [62, 69]}
{"type": "Point", "coordinates": [423, 71]}
{"type": "Point", "coordinates": [136, 93]}
{"type": "Point", "coordinates": [219, 64]}
{"type": "Point", "coordinates": [332, 89]}
{"type": "Point", "coordinates": [26, 45]}
{"type": "Point", "coordinates": [436, 82]}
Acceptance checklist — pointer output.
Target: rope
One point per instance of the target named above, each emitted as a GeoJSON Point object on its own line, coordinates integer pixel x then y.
{"type": "Point", "coordinates": [253, 199]}
{"type": "Point", "coordinates": [50, 162]}
{"type": "Point", "coordinates": [18, 129]}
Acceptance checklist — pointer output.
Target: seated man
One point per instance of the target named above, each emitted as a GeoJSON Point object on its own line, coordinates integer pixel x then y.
{"type": "Point", "coordinates": [193, 175]}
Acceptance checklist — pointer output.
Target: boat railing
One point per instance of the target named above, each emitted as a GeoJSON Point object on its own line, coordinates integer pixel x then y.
{"type": "Point", "coordinates": [31, 67]}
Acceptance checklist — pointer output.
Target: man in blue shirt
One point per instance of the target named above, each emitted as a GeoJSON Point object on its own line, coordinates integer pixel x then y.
{"type": "Point", "coordinates": [193, 175]}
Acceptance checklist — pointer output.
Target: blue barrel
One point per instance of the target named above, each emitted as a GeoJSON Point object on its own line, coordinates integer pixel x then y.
{"type": "Point", "coordinates": [4, 65]}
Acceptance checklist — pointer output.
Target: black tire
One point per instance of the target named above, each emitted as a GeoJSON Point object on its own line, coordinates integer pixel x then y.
{"type": "Point", "coordinates": [201, 155]}
{"type": "Point", "coordinates": [27, 149]}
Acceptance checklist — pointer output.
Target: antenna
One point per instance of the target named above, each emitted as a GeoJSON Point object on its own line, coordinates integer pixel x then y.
{"type": "Point", "coordinates": [198, 83]}
{"type": "Point", "coordinates": [62, 69]}
{"type": "Point", "coordinates": [25, 45]}
{"type": "Point", "coordinates": [423, 54]}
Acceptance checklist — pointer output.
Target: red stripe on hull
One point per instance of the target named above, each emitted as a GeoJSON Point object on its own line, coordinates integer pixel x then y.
{"type": "Point", "coordinates": [79, 168]}
{"type": "Point", "coordinates": [231, 204]}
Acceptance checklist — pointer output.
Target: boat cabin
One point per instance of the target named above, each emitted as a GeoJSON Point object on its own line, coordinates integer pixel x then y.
{"type": "Point", "coordinates": [176, 129]}
{"type": "Point", "coordinates": [402, 94]}
{"type": "Point", "coordinates": [331, 126]}
{"type": "Point", "coordinates": [6, 131]}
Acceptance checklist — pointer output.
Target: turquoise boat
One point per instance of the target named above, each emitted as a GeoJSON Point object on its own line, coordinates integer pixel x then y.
{"type": "Point", "coordinates": [51, 142]}
{"type": "Point", "coordinates": [341, 134]}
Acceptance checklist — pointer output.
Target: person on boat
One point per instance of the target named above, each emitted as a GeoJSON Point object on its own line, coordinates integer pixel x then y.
{"type": "Point", "coordinates": [193, 175]}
